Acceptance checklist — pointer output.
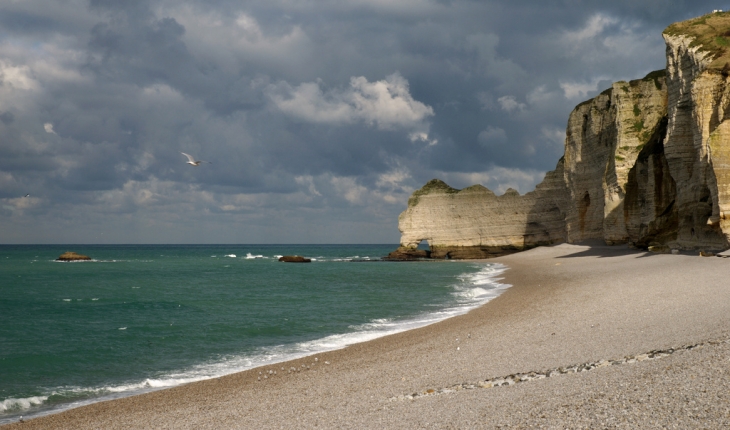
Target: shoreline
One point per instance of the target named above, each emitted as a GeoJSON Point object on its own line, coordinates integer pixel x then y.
{"type": "Point", "coordinates": [485, 271]}
{"type": "Point", "coordinates": [568, 304]}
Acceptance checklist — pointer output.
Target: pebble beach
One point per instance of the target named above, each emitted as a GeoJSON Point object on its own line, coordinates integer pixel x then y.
{"type": "Point", "coordinates": [586, 337]}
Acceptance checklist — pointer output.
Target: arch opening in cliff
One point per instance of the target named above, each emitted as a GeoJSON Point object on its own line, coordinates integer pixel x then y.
{"type": "Point", "coordinates": [413, 250]}
{"type": "Point", "coordinates": [423, 245]}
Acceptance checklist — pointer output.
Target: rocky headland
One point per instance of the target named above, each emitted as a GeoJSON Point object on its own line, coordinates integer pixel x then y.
{"type": "Point", "coordinates": [646, 163]}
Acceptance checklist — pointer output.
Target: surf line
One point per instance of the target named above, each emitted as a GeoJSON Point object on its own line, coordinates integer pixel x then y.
{"type": "Point", "coordinates": [516, 378]}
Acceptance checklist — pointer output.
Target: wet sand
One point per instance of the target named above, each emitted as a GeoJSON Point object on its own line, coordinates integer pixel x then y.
{"type": "Point", "coordinates": [649, 332]}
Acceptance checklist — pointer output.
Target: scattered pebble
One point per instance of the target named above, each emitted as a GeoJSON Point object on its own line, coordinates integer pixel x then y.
{"type": "Point", "coordinates": [505, 381]}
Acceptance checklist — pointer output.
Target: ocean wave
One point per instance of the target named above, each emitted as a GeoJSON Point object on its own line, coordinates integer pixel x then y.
{"type": "Point", "coordinates": [18, 405]}
{"type": "Point", "coordinates": [477, 288]}
{"type": "Point", "coordinates": [102, 261]}
{"type": "Point", "coordinates": [468, 295]}
{"type": "Point", "coordinates": [470, 290]}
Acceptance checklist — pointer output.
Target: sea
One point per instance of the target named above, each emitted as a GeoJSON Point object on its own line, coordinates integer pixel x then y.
{"type": "Point", "coordinates": [138, 318]}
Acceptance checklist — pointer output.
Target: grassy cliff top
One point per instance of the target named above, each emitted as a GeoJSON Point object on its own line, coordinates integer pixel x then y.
{"type": "Point", "coordinates": [711, 31]}
{"type": "Point", "coordinates": [434, 185]}
{"type": "Point", "coordinates": [437, 186]}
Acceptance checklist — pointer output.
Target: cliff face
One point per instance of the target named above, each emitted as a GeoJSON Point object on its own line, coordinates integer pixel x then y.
{"type": "Point", "coordinates": [603, 140]}
{"type": "Point", "coordinates": [646, 162]}
{"type": "Point", "coordinates": [686, 145]}
{"type": "Point", "coordinates": [475, 223]}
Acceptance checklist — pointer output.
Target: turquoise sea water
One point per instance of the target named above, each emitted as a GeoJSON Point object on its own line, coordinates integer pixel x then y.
{"type": "Point", "coordinates": [144, 317]}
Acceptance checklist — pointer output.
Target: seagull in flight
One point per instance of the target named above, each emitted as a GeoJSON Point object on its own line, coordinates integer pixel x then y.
{"type": "Point", "coordinates": [27, 195]}
{"type": "Point", "coordinates": [192, 161]}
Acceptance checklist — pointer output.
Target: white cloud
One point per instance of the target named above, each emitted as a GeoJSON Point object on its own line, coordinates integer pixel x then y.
{"type": "Point", "coordinates": [392, 187]}
{"type": "Point", "coordinates": [492, 135]}
{"type": "Point", "coordinates": [17, 77]}
{"type": "Point", "coordinates": [144, 161]}
{"type": "Point", "coordinates": [389, 189]}
{"type": "Point", "coordinates": [489, 62]}
{"type": "Point", "coordinates": [578, 90]}
{"type": "Point", "coordinates": [48, 127]}
{"type": "Point", "coordinates": [19, 204]}
{"type": "Point", "coordinates": [394, 178]}
{"type": "Point", "coordinates": [498, 179]}
{"type": "Point", "coordinates": [386, 104]}
{"type": "Point", "coordinates": [539, 95]}
{"type": "Point", "coordinates": [554, 135]}
{"type": "Point", "coordinates": [510, 104]}
{"type": "Point", "coordinates": [246, 41]}
{"type": "Point", "coordinates": [594, 27]}
{"type": "Point", "coordinates": [308, 182]}
{"type": "Point", "coordinates": [486, 101]}
{"type": "Point", "coordinates": [136, 193]}
{"type": "Point", "coordinates": [423, 137]}
{"type": "Point", "coordinates": [605, 43]}
{"type": "Point", "coordinates": [348, 188]}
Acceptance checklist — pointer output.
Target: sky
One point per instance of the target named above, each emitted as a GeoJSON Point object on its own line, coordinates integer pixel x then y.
{"type": "Point", "coordinates": [318, 118]}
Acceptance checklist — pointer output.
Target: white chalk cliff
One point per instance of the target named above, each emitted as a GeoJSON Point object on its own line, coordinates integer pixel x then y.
{"type": "Point", "coordinates": [647, 162]}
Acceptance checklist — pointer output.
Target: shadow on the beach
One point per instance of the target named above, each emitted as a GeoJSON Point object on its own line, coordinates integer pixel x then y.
{"type": "Point", "coordinates": [601, 250]}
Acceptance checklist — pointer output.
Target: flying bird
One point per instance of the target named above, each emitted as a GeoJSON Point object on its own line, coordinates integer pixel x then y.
{"type": "Point", "coordinates": [27, 195]}
{"type": "Point", "coordinates": [192, 161]}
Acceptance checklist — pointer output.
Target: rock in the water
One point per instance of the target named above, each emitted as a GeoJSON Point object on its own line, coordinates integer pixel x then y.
{"type": "Point", "coordinates": [72, 256]}
{"type": "Point", "coordinates": [406, 254]}
{"type": "Point", "coordinates": [295, 259]}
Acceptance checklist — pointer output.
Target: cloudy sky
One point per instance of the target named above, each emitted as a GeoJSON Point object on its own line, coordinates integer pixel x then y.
{"type": "Point", "coordinates": [319, 117]}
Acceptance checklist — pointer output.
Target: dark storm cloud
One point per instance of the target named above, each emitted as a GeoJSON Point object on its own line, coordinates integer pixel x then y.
{"type": "Point", "coordinates": [319, 117]}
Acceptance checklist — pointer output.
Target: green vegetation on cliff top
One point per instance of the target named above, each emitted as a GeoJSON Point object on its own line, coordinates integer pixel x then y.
{"type": "Point", "coordinates": [431, 186]}
{"type": "Point", "coordinates": [657, 76]}
{"type": "Point", "coordinates": [439, 186]}
{"type": "Point", "coordinates": [711, 32]}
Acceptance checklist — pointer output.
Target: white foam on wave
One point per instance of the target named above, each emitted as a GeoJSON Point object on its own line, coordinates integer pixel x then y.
{"type": "Point", "coordinates": [250, 256]}
{"type": "Point", "coordinates": [352, 258]}
{"type": "Point", "coordinates": [230, 255]}
{"type": "Point", "coordinates": [377, 323]}
{"type": "Point", "coordinates": [470, 290]}
{"type": "Point", "coordinates": [468, 296]}
{"type": "Point", "coordinates": [12, 405]}
{"type": "Point", "coordinates": [93, 260]}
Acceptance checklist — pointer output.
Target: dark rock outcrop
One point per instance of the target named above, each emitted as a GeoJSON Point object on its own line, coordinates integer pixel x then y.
{"type": "Point", "coordinates": [72, 256]}
{"type": "Point", "coordinates": [295, 259]}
